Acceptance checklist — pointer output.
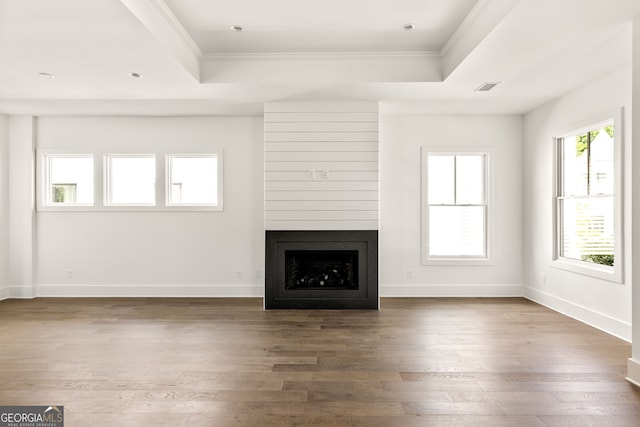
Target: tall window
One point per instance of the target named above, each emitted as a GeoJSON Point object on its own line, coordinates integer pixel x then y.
{"type": "Point", "coordinates": [68, 180]}
{"type": "Point", "coordinates": [587, 189]}
{"type": "Point", "coordinates": [454, 206]}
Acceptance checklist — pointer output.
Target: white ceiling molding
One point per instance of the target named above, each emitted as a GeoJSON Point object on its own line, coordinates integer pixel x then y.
{"type": "Point", "coordinates": [482, 19]}
{"type": "Point", "coordinates": [156, 16]}
{"type": "Point", "coordinates": [316, 55]}
{"type": "Point", "coordinates": [338, 67]}
{"type": "Point", "coordinates": [466, 24]}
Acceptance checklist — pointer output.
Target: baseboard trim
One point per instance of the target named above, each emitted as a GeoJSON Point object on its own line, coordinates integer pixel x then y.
{"type": "Point", "coordinates": [20, 292]}
{"type": "Point", "coordinates": [606, 323]}
{"type": "Point", "coordinates": [425, 291]}
{"type": "Point", "coordinates": [4, 293]}
{"type": "Point", "coordinates": [633, 372]}
{"type": "Point", "coordinates": [160, 291]}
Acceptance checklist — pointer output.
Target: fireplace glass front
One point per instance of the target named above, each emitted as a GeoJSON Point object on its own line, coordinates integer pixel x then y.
{"type": "Point", "coordinates": [321, 270]}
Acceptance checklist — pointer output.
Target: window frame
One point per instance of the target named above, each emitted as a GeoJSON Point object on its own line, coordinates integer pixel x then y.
{"type": "Point", "coordinates": [485, 260]}
{"type": "Point", "coordinates": [613, 273]}
{"type": "Point", "coordinates": [101, 177]}
{"type": "Point", "coordinates": [219, 156]}
{"type": "Point", "coordinates": [108, 175]}
{"type": "Point", "coordinates": [43, 183]}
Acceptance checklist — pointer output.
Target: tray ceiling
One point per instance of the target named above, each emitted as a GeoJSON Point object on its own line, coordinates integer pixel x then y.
{"type": "Point", "coordinates": [320, 26]}
{"type": "Point", "coordinates": [191, 62]}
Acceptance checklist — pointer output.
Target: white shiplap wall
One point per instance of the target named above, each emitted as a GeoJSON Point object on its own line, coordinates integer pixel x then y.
{"type": "Point", "coordinates": [321, 166]}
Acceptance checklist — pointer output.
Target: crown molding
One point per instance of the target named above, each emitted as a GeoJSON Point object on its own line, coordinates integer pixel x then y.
{"type": "Point", "coordinates": [483, 19]}
{"type": "Point", "coordinates": [177, 26]}
{"type": "Point", "coordinates": [158, 19]}
{"type": "Point", "coordinates": [466, 24]}
{"type": "Point", "coordinates": [305, 56]}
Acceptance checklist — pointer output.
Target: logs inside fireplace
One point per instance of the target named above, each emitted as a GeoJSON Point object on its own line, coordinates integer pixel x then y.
{"type": "Point", "coordinates": [321, 269]}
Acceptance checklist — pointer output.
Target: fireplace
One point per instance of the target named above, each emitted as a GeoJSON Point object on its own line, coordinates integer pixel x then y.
{"type": "Point", "coordinates": [321, 269]}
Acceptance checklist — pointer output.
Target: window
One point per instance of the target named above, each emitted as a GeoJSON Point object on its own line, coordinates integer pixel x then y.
{"type": "Point", "coordinates": [68, 179]}
{"type": "Point", "coordinates": [194, 180]}
{"type": "Point", "coordinates": [454, 206]}
{"type": "Point", "coordinates": [102, 181]}
{"type": "Point", "coordinates": [587, 211]}
{"type": "Point", "coordinates": [131, 180]}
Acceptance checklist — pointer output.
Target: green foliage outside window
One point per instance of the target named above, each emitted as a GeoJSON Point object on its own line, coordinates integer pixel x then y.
{"type": "Point", "coordinates": [58, 195]}
{"type": "Point", "coordinates": [582, 141]}
{"type": "Point", "coordinates": [599, 259]}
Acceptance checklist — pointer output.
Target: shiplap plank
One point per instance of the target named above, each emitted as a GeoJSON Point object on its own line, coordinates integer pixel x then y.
{"type": "Point", "coordinates": [317, 166]}
{"type": "Point", "coordinates": [321, 156]}
{"type": "Point", "coordinates": [321, 136]}
{"type": "Point", "coordinates": [321, 216]}
{"type": "Point", "coordinates": [305, 205]}
{"type": "Point", "coordinates": [323, 185]}
{"type": "Point", "coordinates": [320, 117]}
{"type": "Point", "coordinates": [321, 127]}
{"type": "Point", "coordinates": [334, 176]}
{"type": "Point", "coordinates": [320, 146]}
{"type": "Point", "coordinates": [320, 195]}
{"type": "Point", "coordinates": [321, 225]}
{"type": "Point", "coordinates": [319, 107]}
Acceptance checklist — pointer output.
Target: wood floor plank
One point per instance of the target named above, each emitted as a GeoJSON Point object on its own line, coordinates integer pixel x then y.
{"type": "Point", "coordinates": [591, 421]}
{"type": "Point", "coordinates": [227, 362]}
{"type": "Point", "coordinates": [448, 421]}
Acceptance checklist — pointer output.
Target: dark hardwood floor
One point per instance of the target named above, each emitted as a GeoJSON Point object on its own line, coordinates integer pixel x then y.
{"type": "Point", "coordinates": [226, 362]}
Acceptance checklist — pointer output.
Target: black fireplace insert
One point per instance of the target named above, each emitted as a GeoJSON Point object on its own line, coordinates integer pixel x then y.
{"type": "Point", "coordinates": [321, 269]}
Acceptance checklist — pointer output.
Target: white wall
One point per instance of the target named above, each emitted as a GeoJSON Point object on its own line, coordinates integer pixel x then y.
{"type": "Point", "coordinates": [633, 365]}
{"type": "Point", "coordinates": [604, 304]}
{"type": "Point", "coordinates": [21, 206]}
{"type": "Point", "coordinates": [158, 253]}
{"type": "Point", "coordinates": [4, 206]}
{"type": "Point", "coordinates": [401, 137]}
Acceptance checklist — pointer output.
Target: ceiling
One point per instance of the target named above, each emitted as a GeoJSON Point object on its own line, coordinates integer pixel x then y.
{"type": "Point", "coordinates": [192, 62]}
{"type": "Point", "coordinates": [320, 26]}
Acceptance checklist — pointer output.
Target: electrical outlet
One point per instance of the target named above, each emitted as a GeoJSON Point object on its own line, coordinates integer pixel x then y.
{"type": "Point", "coordinates": [239, 274]}
{"type": "Point", "coordinates": [544, 280]}
{"type": "Point", "coordinates": [409, 274]}
{"type": "Point", "coordinates": [258, 274]}
{"type": "Point", "coordinates": [69, 274]}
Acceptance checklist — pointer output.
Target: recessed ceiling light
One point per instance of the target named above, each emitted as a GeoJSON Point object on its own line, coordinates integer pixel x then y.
{"type": "Point", "coordinates": [487, 86]}
{"type": "Point", "coordinates": [135, 75]}
{"type": "Point", "coordinates": [46, 75]}
{"type": "Point", "coordinates": [408, 27]}
{"type": "Point", "coordinates": [236, 28]}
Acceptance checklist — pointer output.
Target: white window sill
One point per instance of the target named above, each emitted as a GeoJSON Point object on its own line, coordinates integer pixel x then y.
{"type": "Point", "coordinates": [604, 272]}
{"type": "Point", "coordinates": [121, 208]}
{"type": "Point", "coordinates": [480, 262]}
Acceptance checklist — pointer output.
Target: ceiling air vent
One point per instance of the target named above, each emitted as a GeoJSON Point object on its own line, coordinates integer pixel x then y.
{"type": "Point", "coordinates": [487, 86]}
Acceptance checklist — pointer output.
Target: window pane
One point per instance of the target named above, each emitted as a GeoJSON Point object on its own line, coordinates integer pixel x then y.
{"type": "Point", "coordinates": [587, 229]}
{"type": "Point", "coordinates": [575, 166]}
{"type": "Point", "coordinates": [70, 180]}
{"type": "Point", "coordinates": [440, 189]}
{"type": "Point", "coordinates": [469, 180]}
{"type": "Point", "coordinates": [601, 161]}
{"type": "Point", "coordinates": [132, 180]}
{"type": "Point", "coordinates": [456, 231]}
{"type": "Point", "coordinates": [193, 180]}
